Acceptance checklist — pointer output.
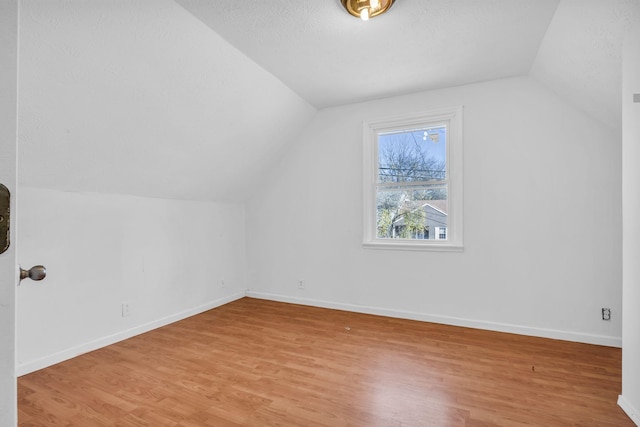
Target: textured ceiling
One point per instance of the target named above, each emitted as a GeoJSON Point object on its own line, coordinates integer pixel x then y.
{"type": "Point", "coordinates": [332, 58]}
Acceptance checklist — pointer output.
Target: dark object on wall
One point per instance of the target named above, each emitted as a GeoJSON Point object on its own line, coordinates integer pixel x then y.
{"type": "Point", "coordinates": [5, 200]}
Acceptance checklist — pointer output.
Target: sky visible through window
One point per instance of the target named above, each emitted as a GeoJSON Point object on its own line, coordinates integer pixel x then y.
{"type": "Point", "coordinates": [415, 155]}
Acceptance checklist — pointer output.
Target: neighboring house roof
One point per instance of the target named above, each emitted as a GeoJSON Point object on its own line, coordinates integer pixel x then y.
{"type": "Point", "coordinates": [437, 205]}
{"type": "Point", "coordinates": [440, 205]}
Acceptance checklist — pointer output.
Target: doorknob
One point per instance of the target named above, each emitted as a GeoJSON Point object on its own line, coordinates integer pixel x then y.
{"type": "Point", "coordinates": [37, 272]}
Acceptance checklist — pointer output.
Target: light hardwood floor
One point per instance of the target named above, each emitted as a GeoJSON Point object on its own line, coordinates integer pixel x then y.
{"type": "Point", "coordinates": [262, 363]}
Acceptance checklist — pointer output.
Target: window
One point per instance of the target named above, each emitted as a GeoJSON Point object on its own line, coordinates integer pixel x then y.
{"type": "Point", "coordinates": [413, 181]}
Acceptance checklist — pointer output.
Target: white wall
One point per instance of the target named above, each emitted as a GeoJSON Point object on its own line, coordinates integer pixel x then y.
{"type": "Point", "coordinates": [542, 220]}
{"type": "Point", "coordinates": [630, 398]}
{"type": "Point", "coordinates": [167, 258]}
{"type": "Point", "coordinates": [8, 113]}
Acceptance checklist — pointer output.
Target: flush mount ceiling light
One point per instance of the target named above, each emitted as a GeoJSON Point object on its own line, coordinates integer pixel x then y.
{"type": "Point", "coordinates": [365, 9]}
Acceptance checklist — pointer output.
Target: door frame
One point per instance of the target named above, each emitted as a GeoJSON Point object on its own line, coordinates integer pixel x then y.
{"type": "Point", "coordinates": [9, 13]}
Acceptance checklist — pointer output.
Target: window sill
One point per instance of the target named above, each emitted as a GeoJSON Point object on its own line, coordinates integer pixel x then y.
{"type": "Point", "coordinates": [414, 246]}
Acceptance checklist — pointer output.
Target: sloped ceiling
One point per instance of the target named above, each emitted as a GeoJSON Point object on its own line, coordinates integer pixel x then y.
{"type": "Point", "coordinates": [580, 57]}
{"type": "Point", "coordinates": [195, 99]}
{"type": "Point", "coordinates": [139, 97]}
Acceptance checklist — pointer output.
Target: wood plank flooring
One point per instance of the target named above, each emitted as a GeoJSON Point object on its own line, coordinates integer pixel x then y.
{"type": "Point", "coordinates": [262, 363]}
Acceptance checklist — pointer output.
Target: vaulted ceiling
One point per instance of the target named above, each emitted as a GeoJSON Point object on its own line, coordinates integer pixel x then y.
{"type": "Point", "coordinates": [195, 99]}
{"type": "Point", "coordinates": [332, 58]}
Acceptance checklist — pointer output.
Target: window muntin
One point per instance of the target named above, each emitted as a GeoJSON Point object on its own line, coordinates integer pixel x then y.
{"type": "Point", "coordinates": [413, 181]}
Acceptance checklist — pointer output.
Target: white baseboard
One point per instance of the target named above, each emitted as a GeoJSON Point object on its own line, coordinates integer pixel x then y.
{"type": "Point", "coordinates": [632, 412]}
{"type": "Point", "coordinates": [449, 320]}
{"type": "Point", "coordinates": [34, 365]}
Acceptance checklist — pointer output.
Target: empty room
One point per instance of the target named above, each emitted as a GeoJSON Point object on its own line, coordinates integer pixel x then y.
{"type": "Point", "coordinates": [320, 213]}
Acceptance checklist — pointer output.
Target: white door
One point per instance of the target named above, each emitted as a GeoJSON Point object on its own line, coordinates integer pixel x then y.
{"type": "Point", "coordinates": [8, 161]}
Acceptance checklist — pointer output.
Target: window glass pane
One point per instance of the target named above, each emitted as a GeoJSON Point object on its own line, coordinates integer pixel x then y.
{"type": "Point", "coordinates": [412, 213]}
{"type": "Point", "coordinates": [412, 155]}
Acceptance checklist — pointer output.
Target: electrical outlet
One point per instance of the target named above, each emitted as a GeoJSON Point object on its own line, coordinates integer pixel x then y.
{"type": "Point", "coordinates": [222, 285]}
{"type": "Point", "coordinates": [301, 284]}
{"type": "Point", "coordinates": [126, 309]}
{"type": "Point", "coordinates": [606, 314]}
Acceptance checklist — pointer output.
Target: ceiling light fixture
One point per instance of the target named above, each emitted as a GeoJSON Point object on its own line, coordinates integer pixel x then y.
{"type": "Point", "coordinates": [365, 9]}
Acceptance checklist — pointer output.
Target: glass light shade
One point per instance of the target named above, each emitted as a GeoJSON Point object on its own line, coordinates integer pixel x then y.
{"type": "Point", "coordinates": [372, 8]}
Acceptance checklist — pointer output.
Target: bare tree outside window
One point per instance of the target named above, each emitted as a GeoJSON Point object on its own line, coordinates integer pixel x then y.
{"type": "Point", "coordinates": [411, 178]}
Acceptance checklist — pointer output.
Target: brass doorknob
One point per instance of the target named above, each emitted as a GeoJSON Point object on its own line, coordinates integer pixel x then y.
{"type": "Point", "coordinates": [37, 272]}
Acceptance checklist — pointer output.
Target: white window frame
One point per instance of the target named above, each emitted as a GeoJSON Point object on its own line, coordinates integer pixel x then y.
{"type": "Point", "coordinates": [450, 117]}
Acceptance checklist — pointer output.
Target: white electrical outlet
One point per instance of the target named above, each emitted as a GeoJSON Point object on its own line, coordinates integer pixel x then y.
{"type": "Point", "coordinates": [126, 309]}
{"type": "Point", "coordinates": [606, 314]}
{"type": "Point", "coordinates": [301, 284]}
{"type": "Point", "coordinates": [222, 285]}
